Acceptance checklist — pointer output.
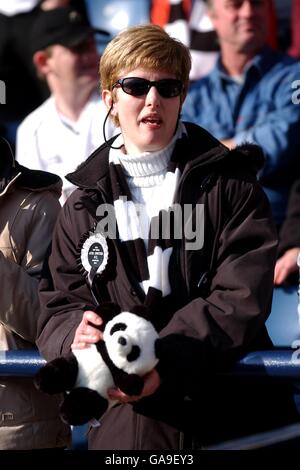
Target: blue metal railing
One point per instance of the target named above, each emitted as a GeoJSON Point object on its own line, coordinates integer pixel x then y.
{"type": "Point", "coordinates": [275, 363]}
{"type": "Point", "coordinates": [23, 363]}
{"type": "Point", "coordinates": [26, 363]}
{"type": "Point", "coordinates": [280, 363]}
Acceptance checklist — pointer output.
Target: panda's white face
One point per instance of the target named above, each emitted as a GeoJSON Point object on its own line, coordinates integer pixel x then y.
{"type": "Point", "coordinates": [130, 342]}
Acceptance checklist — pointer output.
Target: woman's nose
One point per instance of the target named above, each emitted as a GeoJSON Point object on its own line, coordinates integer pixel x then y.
{"type": "Point", "coordinates": [152, 97]}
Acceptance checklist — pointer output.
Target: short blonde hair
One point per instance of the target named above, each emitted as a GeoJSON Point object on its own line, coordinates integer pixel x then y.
{"type": "Point", "coordinates": [147, 46]}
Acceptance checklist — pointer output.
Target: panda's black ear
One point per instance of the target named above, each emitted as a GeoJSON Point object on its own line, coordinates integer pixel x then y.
{"type": "Point", "coordinates": [141, 311]}
{"type": "Point", "coordinates": [107, 311]}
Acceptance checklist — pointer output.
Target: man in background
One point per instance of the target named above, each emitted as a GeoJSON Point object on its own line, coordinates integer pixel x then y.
{"type": "Point", "coordinates": [68, 126]}
{"type": "Point", "coordinates": [248, 96]}
{"type": "Point", "coordinates": [24, 91]}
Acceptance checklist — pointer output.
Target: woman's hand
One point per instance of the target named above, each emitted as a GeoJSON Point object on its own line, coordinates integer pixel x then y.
{"type": "Point", "coordinates": [151, 384]}
{"type": "Point", "coordinates": [87, 334]}
{"type": "Point", "coordinates": [286, 265]}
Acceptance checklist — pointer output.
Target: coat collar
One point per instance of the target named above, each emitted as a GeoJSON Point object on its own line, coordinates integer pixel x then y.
{"type": "Point", "coordinates": [90, 173]}
{"type": "Point", "coordinates": [263, 62]}
{"type": "Point", "coordinates": [93, 169]}
{"type": "Point", "coordinates": [200, 148]}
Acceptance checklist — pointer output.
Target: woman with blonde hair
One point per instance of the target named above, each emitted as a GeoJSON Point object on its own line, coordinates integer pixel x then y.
{"type": "Point", "coordinates": [183, 227]}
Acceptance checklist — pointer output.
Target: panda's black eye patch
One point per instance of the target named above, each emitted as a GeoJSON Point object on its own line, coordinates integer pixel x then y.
{"type": "Point", "coordinates": [134, 353]}
{"type": "Point", "coordinates": [118, 327]}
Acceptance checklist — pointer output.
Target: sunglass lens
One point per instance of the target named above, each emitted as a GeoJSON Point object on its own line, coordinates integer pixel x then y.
{"type": "Point", "coordinates": [169, 88]}
{"type": "Point", "coordinates": [135, 86]}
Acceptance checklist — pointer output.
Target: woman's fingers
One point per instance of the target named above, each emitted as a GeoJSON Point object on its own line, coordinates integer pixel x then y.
{"type": "Point", "coordinates": [151, 384]}
{"type": "Point", "coordinates": [87, 332]}
{"type": "Point", "coordinates": [286, 265]}
{"type": "Point", "coordinates": [91, 317]}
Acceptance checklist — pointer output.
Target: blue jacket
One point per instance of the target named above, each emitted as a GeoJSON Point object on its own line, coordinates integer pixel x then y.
{"type": "Point", "coordinates": [258, 109]}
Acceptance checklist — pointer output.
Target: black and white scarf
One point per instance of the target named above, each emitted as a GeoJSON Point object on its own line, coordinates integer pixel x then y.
{"type": "Point", "coordinates": [195, 31]}
{"type": "Point", "coordinates": [148, 262]}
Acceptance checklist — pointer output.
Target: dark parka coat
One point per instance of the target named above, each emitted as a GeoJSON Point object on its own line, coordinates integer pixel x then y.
{"type": "Point", "coordinates": [290, 230]}
{"type": "Point", "coordinates": [28, 210]}
{"type": "Point", "coordinates": [221, 297]}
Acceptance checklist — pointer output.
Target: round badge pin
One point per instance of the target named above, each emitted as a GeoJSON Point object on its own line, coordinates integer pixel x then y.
{"type": "Point", "coordinates": [94, 254]}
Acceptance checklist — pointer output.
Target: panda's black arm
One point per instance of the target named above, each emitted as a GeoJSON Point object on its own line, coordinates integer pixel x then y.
{"type": "Point", "coordinates": [131, 384]}
{"type": "Point", "coordinates": [58, 375]}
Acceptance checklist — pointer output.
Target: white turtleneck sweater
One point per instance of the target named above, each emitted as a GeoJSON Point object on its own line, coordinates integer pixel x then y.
{"type": "Point", "coordinates": [146, 176]}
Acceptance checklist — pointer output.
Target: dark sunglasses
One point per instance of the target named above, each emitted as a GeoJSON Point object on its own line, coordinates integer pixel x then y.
{"type": "Point", "coordinates": [135, 86]}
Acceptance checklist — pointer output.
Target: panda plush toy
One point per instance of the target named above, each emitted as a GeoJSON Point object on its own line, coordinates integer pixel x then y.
{"type": "Point", "coordinates": [126, 353]}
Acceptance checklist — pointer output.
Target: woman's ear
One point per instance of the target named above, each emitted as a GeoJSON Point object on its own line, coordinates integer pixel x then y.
{"type": "Point", "coordinates": [108, 100]}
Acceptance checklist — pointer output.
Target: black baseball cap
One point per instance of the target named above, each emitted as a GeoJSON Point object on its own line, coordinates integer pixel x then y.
{"type": "Point", "coordinates": [63, 26]}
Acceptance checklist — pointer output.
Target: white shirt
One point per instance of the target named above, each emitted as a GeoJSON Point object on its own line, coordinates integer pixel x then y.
{"type": "Point", "coordinates": [47, 140]}
{"type": "Point", "coordinates": [14, 7]}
